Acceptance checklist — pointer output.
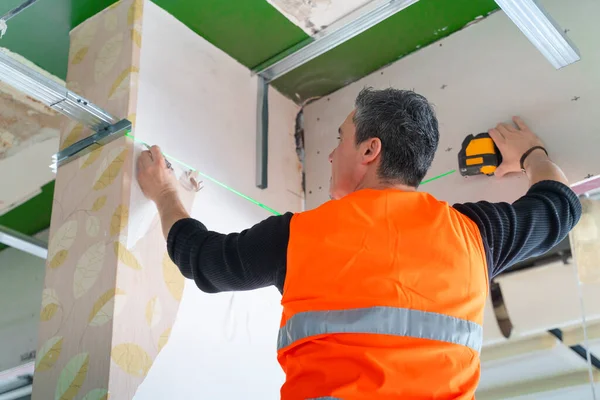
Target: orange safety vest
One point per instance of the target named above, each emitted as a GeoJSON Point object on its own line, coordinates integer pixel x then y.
{"type": "Point", "coordinates": [383, 299]}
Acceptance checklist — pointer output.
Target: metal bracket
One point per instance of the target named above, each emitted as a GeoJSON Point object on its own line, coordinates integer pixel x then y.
{"type": "Point", "coordinates": [337, 33]}
{"type": "Point", "coordinates": [91, 143]}
{"type": "Point", "coordinates": [52, 93]}
{"type": "Point", "coordinates": [262, 134]}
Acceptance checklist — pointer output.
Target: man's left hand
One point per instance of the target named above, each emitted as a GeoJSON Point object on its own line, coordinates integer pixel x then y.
{"type": "Point", "coordinates": [156, 180]}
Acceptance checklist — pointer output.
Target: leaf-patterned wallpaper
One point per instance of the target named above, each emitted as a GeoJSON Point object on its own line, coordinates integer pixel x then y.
{"type": "Point", "coordinates": [107, 309]}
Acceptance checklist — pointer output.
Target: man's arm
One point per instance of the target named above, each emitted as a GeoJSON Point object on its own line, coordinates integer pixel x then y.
{"type": "Point", "coordinates": [252, 259]}
{"type": "Point", "coordinates": [536, 222]}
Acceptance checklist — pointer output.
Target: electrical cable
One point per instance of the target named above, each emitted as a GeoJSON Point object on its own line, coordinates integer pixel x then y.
{"type": "Point", "coordinates": [250, 199]}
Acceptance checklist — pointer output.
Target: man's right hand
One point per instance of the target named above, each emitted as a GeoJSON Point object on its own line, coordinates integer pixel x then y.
{"type": "Point", "coordinates": [155, 179]}
{"type": "Point", "coordinates": [513, 142]}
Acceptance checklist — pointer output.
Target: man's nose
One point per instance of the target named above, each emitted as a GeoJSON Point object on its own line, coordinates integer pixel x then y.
{"type": "Point", "coordinates": [331, 157]}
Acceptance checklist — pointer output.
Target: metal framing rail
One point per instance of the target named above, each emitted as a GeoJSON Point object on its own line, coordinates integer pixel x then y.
{"type": "Point", "coordinates": [22, 242]}
{"type": "Point", "coordinates": [354, 24]}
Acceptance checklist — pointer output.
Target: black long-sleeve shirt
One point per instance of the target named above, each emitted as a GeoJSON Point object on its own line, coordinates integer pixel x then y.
{"type": "Point", "coordinates": [256, 257]}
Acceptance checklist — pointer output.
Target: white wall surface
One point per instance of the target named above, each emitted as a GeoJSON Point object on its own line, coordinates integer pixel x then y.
{"type": "Point", "coordinates": [476, 78]}
{"type": "Point", "coordinates": [21, 285]}
{"type": "Point", "coordinates": [199, 105]}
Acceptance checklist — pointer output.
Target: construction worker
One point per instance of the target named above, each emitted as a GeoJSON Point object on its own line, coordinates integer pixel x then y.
{"type": "Point", "coordinates": [383, 288]}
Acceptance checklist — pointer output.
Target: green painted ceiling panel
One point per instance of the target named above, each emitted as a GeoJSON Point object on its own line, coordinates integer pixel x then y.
{"type": "Point", "coordinates": [32, 216]}
{"type": "Point", "coordinates": [40, 33]}
{"type": "Point", "coordinates": [383, 44]}
{"type": "Point", "coordinates": [84, 9]}
{"type": "Point", "coordinates": [251, 31]}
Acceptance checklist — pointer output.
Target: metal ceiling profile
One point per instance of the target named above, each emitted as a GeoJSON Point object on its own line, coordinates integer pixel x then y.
{"type": "Point", "coordinates": [541, 31]}
{"type": "Point", "coordinates": [341, 31]}
{"type": "Point", "coordinates": [12, 13]}
{"type": "Point", "coordinates": [52, 94]}
{"type": "Point", "coordinates": [31, 82]}
{"type": "Point", "coordinates": [17, 10]}
{"type": "Point", "coordinates": [331, 37]}
{"type": "Point", "coordinates": [24, 243]}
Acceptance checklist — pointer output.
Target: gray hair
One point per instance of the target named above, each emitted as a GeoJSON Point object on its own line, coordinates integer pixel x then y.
{"type": "Point", "coordinates": [406, 124]}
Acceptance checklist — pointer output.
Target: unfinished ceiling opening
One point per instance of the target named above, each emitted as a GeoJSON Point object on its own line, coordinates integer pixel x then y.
{"type": "Point", "coordinates": [314, 15]}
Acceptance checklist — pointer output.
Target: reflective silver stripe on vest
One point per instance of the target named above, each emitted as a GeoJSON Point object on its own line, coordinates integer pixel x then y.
{"type": "Point", "coordinates": [326, 398]}
{"type": "Point", "coordinates": [384, 321]}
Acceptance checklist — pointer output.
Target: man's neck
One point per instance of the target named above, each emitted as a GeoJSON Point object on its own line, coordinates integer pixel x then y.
{"type": "Point", "coordinates": [378, 184]}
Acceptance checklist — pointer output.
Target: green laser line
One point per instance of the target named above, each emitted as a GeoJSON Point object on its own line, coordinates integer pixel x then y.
{"type": "Point", "coordinates": [435, 178]}
{"type": "Point", "coordinates": [210, 178]}
{"type": "Point", "coordinates": [250, 199]}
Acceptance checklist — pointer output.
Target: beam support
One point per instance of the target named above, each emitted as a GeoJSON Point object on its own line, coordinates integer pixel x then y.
{"type": "Point", "coordinates": [262, 134]}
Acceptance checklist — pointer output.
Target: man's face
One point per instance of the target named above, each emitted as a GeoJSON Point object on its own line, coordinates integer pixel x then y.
{"type": "Point", "coordinates": [347, 168]}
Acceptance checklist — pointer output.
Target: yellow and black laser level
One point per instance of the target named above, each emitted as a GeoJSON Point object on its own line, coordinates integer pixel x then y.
{"type": "Point", "coordinates": [478, 155]}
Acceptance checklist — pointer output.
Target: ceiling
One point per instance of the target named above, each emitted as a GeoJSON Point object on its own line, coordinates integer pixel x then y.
{"type": "Point", "coordinates": [252, 32]}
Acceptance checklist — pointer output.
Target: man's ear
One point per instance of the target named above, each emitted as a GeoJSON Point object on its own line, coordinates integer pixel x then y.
{"type": "Point", "coordinates": [370, 149]}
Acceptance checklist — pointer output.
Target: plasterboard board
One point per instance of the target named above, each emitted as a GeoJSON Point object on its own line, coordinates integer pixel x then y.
{"type": "Point", "coordinates": [543, 298]}
{"type": "Point", "coordinates": [23, 174]}
{"type": "Point", "coordinates": [200, 106]}
{"type": "Point", "coordinates": [481, 76]}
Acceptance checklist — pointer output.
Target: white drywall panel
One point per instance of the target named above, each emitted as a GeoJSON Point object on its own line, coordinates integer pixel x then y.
{"type": "Point", "coordinates": [578, 392]}
{"type": "Point", "coordinates": [21, 284]}
{"type": "Point", "coordinates": [543, 298]}
{"type": "Point", "coordinates": [529, 366]}
{"type": "Point", "coordinates": [200, 106]}
{"type": "Point", "coordinates": [23, 174]}
{"type": "Point", "coordinates": [476, 78]}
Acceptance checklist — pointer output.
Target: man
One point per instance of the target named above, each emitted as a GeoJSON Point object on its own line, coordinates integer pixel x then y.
{"type": "Point", "coordinates": [384, 287]}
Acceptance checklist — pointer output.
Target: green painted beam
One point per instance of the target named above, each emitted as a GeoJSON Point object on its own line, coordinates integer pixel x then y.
{"type": "Point", "coordinates": [251, 31]}
{"type": "Point", "coordinates": [417, 26]}
{"type": "Point", "coordinates": [32, 216]}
